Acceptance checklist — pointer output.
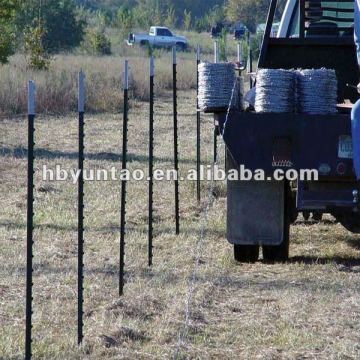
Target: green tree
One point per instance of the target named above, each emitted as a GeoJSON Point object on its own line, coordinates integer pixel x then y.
{"type": "Point", "coordinates": [7, 10]}
{"type": "Point", "coordinates": [97, 43]}
{"type": "Point", "coordinates": [6, 44]}
{"type": "Point", "coordinates": [251, 12]}
{"type": "Point", "coordinates": [244, 11]}
{"type": "Point", "coordinates": [170, 17]}
{"type": "Point", "coordinates": [187, 20]}
{"type": "Point", "coordinates": [7, 13]}
{"type": "Point", "coordinates": [33, 44]}
{"type": "Point", "coordinates": [141, 18]}
{"type": "Point", "coordinates": [223, 45]}
{"type": "Point", "coordinates": [157, 16]}
{"type": "Point", "coordinates": [216, 14]}
{"type": "Point", "coordinates": [124, 21]}
{"type": "Point", "coordinates": [64, 29]}
{"type": "Point", "coordinates": [213, 16]}
{"type": "Point", "coordinates": [96, 40]}
{"type": "Point", "coordinates": [100, 20]}
{"type": "Point", "coordinates": [151, 12]}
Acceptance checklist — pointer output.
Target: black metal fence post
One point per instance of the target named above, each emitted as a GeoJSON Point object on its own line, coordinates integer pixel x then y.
{"type": "Point", "coordinates": [216, 60]}
{"type": "Point", "coordinates": [151, 163]}
{"type": "Point", "coordinates": [30, 222]}
{"type": "Point", "coordinates": [81, 110]}
{"type": "Point", "coordinates": [250, 60]}
{"type": "Point", "coordinates": [215, 141]}
{"type": "Point", "coordinates": [176, 160]}
{"type": "Point", "coordinates": [124, 182]}
{"type": "Point", "coordinates": [198, 124]}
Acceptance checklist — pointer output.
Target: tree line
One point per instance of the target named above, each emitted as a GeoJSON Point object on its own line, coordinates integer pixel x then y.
{"type": "Point", "coordinates": [40, 28]}
{"type": "Point", "coordinates": [197, 15]}
{"type": "Point", "coordinates": [43, 27]}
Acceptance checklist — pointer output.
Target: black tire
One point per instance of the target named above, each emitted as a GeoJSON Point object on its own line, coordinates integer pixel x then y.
{"type": "Point", "coordinates": [246, 253]}
{"type": "Point", "coordinates": [144, 43]}
{"type": "Point", "coordinates": [317, 216]}
{"type": "Point", "coordinates": [350, 221]}
{"type": "Point", "coordinates": [280, 253]}
{"type": "Point", "coordinates": [294, 213]}
{"type": "Point", "coordinates": [180, 46]}
{"type": "Point", "coordinates": [306, 215]}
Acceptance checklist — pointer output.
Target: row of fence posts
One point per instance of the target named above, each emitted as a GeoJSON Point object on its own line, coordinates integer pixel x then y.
{"type": "Point", "coordinates": [81, 158]}
{"type": "Point", "coordinates": [30, 213]}
{"type": "Point", "coordinates": [81, 148]}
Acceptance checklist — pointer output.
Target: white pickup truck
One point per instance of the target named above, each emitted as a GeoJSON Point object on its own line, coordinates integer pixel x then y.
{"type": "Point", "coordinates": [159, 37]}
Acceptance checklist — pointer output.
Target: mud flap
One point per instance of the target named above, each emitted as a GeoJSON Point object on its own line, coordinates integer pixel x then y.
{"type": "Point", "coordinates": [255, 211]}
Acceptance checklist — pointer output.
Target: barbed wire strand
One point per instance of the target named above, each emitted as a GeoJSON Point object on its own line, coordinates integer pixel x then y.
{"type": "Point", "coordinates": [200, 242]}
{"type": "Point", "coordinates": [15, 115]}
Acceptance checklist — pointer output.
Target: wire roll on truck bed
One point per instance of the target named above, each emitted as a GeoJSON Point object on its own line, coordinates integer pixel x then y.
{"type": "Point", "coordinates": [312, 136]}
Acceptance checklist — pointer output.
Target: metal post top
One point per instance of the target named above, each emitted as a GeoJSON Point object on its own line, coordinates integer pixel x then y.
{"type": "Point", "coordinates": [31, 97]}
{"type": "Point", "coordinates": [198, 53]}
{"type": "Point", "coordinates": [81, 91]}
{"type": "Point", "coordinates": [152, 66]}
{"type": "Point", "coordinates": [126, 75]}
{"type": "Point", "coordinates": [174, 55]}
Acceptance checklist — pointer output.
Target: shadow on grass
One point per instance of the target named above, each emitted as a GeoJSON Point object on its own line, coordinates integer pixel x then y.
{"type": "Point", "coordinates": [141, 228]}
{"type": "Point", "coordinates": [338, 260]}
{"type": "Point", "coordinates": [108, 270]}
{"type": "Point", "coordinates": [43, 268]}
{"type": "Point", "coordinates": [354, 243]}
{"type": "Point", "coordinates": [21, 153]}
{"type": "Point", "coordinates": [313, 222]}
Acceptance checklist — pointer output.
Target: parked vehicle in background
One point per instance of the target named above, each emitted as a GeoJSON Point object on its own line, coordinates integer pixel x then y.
{"type": "Point", "coordinates": [216, 30]}
{"type": "Point", "coordinates": [240, 31]}
{"type": "Point", "coordinates": [158, 36]}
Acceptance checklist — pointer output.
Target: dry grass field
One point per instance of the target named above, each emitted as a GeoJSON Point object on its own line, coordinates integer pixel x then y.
{"type": "Point", "coordinates": [308, 308]}
{"type": "Point", "coordinates": [57, 88]}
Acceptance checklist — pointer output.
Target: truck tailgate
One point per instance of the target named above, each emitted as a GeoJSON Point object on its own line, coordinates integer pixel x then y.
{"type": "Point", "coordinates": [299, 141]}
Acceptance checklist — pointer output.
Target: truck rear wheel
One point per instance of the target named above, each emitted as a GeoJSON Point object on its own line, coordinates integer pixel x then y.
{"type": "Point", "coordinates": [180, 46]}
{"type": "Point", "coordinates": [317, 216]}
{"type": "Point", "coordinates": [279, 253]}
{"type": "Point", "coordinates": [306, 215]}
{"type": "Point", "coordinates": [350, 221]}
{"type": "Point", "coordinates": [246, 253]}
